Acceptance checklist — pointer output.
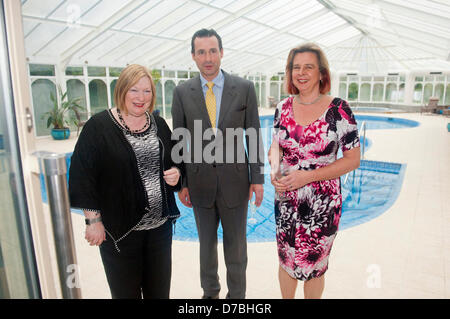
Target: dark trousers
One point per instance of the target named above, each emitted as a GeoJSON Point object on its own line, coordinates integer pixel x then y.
{"type": "Point", "coordinates": [234, 225]}
{"type": "Point", "coordinates": [143, 267]}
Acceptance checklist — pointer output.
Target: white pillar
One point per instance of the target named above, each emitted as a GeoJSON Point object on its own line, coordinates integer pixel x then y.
{"type": "Point", "coordinates": [60, 78]}
{"type": "Point", "coordinates": [266, 97]}
{"type": "Point", "coordinates": [163, 93]}
{"type": "Point", "coordinates": [409, 88]}
{"type": "Point", "coordinates": [334, 84]}
{"type": "Point", "coordinates": [86, 87]}
{"type": "Point", "coordinates": [108, 88]}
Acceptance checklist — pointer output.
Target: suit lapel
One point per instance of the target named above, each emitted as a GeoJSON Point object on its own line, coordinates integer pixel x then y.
{"type": "Point", "coordinates": [199, 101]}
{"type": "Point", "coordinates": [228, 94]}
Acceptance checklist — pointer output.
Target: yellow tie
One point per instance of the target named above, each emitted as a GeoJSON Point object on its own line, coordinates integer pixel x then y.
{"type": "Point", "coordinates": [210, 100]}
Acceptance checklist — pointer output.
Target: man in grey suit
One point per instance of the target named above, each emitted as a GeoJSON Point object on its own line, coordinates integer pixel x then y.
{"type": "Point", "coordinates": [221, 176]}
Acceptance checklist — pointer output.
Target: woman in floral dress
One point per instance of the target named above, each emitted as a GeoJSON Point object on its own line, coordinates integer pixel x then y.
{"type": "Point", "coordinates": [310, 127]}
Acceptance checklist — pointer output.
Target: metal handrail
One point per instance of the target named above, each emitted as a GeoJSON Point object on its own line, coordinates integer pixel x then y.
{"type": "Point", "coordinates": [363, 131]}
{"type": "Point", "coordinates": [53, 167]}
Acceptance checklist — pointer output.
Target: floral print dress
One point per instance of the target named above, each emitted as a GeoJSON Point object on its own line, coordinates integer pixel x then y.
{"type": "Point", "coordinates": [307, 219]}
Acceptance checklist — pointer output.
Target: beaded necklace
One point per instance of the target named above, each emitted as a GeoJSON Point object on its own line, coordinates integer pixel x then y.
{"type": "Point", "coordinates": [147, 123]}
{"type": "Point", "coordinates": [308, 103]}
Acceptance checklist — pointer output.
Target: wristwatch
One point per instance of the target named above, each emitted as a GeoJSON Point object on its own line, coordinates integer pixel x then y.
{"type": "Point", "coordinates": [93, 220]}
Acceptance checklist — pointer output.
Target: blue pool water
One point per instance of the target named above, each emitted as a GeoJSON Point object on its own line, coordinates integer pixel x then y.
{"type": "Point", "coordinates": [369, 191]}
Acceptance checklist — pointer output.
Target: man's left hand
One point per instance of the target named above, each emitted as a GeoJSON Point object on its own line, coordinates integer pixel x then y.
{"type": "Point", "coordinates": [258, 189]}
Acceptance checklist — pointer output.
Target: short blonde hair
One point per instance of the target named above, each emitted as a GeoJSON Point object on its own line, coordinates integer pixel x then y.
{"type": "Point", "coordinates": [129, 77]}
{"type": "Point", "coordinates": [324, 69]}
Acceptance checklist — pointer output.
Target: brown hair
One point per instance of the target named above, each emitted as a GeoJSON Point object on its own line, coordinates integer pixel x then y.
{"type": "Point", "coordinates": [324, 69]}
{"type": "Point", "coordinates": [129, 77]}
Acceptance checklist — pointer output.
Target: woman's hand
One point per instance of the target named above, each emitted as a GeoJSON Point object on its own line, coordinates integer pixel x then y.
{"type": "Point", "coordinates": [95, 234]}
{"type": "Point", "coordinates": [171, 176]}
{"type": "Point", "coordinates": [279, 187]}
{"type": "Point", "coordinates": [274, 158]}
{"type": "Point", "coordinates": [292, 181]}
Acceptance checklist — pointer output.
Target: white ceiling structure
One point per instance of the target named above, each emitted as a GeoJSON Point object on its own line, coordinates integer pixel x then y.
{"type": "Point", "coordinates": [358, 36]}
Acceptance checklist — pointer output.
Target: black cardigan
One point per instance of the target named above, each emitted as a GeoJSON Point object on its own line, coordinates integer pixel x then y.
{"type": "Point", "coordinates": [104, 175]}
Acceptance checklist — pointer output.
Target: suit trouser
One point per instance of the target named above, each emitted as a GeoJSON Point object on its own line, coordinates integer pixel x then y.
{"type": "Point", "coordinates": [234, 225]}
{"type": "Point", "coordinates": [143, 268]}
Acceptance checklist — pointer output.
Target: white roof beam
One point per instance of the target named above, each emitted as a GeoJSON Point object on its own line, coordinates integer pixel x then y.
{"type": "Point", "coordinates": [327, 4]}
{"type": "Point", "coordinates": [160, 56]}
{"type": "Point", "coordinates": [390, 22]}
{"type": "Point", "coordinates": [117, 16]}
{"type": "Point", "coordinates": [403, 6]}
{"type": "Point", "coordinates": [48, 15]}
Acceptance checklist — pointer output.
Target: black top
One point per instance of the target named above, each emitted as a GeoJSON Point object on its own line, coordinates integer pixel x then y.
{"type": "Point", "coordinates": [104, 174]}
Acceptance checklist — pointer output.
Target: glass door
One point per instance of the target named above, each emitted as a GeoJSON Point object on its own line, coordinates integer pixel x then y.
{"type": "Point", "coordinates": [18, 271]}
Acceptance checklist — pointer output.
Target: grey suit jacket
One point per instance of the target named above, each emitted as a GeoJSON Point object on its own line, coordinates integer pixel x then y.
{"type": "Point", "coordinates": [230, 172]}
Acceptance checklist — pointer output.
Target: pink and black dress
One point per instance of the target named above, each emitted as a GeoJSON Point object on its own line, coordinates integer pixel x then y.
{"type": "Point", "coordinates": [307, 219]}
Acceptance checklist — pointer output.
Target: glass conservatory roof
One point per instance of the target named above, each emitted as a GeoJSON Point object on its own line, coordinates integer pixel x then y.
{"type": "Point", "coordinates": [360, 36]}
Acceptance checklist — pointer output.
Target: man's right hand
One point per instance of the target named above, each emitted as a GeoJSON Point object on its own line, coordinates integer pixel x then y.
{"type": "Point", "coordinates": [183, 195]}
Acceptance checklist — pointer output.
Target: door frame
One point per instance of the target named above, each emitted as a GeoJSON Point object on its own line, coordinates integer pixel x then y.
{"type": "Point", "coordinates": [38, 219]}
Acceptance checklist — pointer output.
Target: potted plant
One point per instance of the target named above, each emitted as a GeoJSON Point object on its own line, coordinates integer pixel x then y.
{"type": "Point", "coordinates": [60, 116]}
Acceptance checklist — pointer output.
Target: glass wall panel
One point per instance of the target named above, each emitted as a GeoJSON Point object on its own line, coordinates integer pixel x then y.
{"type": "Point", "coordinates": [115, 71]}
{"type": "Point", "coordinates": [427, 92]}
{"type": "Point", "coordinates": [257, 90]}
{"type": "Point", "coordinates": [42, 69]}
{"type": "Point", "coordinates": [112, 87]}
{"type": "Point", "coordinates": [75, 89]}
{"type": "Point", "coordinates": [417, 98]}
{"type": "Point", "coordinates": [377, 92]}
{"type": "Point", "coordinates": [275, 91]}
{"type": "Point", "coordinates": [353, 92]}
{"type": "Point", "coordinates": [41, 90]}
{"type": "Point", "coordinates": [159, 97]}
{"type": "Point", "coordinates": [439, 92]}
{"type": "Point", "coordinates": [263, 95]}
{"type": "Point", "coordinates": [18, 273]}
{"type": "Point", "coordinates": [169, 74]}
{"type": "Point", "coordinates": [169, 86]}
{"type": "Point", "coordinates": [391, 92]}
{"type": "Point", "coordinates": [182, 74]}
{"type": "Point", "coordinates": [343, 91]}
{"type": "Point", "coordinates": [447, 95]}
{"type": "Point", "coordinates": [96, 71]}
{"type": "Point", "coordinates": [365, 92]}
{"type": "Point", "coordinates": [401, 93]}
{"type": "Point", "coordinates": [74, 70]}
{"type": "Point", "coordinates": [98, 96]}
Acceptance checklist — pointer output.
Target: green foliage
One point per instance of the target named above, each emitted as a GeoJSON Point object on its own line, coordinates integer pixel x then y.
{"type": "Point", "coordinates": [156, 75]}
{"type": "Point", "coordinates": [62, 112]}
{"type": "Point", "coordinates": [353, 92]}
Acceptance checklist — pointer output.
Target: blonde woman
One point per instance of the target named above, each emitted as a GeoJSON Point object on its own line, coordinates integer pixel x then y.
{"type": "Point", "coordinates": [122, 177]}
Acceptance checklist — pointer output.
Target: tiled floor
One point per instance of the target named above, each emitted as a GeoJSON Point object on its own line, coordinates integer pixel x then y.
{"type": "Point", "coordinates": [404, 253]}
